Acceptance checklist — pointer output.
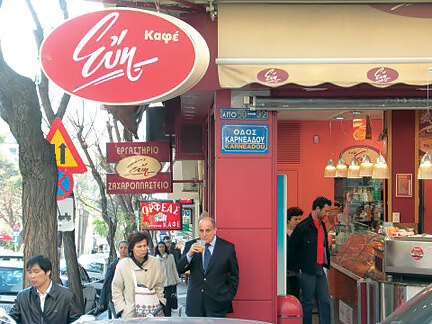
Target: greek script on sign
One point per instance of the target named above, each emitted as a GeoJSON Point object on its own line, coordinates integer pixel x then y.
{"type": "Point", "coordinates": [245, 138]}
{"type": "Point", "coordinates": [117, 64]}
{"type": "Point", "coordinates": [243, 114]}
{"type": "Point", "coordinates": [166, 37]}
{"type": "Point", "coordinates": [382, 75]}
{"type": "Point", "coordinates": [125, 56]}
{"type": "Point", "coordinates": [138, 167]}
{"type": "Point", "coordinates": [116, 184]}
{"type": "Point", "coordinates": [272, 75]}
{"type": "Point", "coordinates": [160, 215]}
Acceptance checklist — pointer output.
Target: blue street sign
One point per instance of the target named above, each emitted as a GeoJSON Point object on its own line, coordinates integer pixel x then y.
{"type": "Point", "coordinates": [243, 114]}
{"type": "Point", "coordinates": [245, 138]}
{"type": "Point", "coordinates": [65, 184]}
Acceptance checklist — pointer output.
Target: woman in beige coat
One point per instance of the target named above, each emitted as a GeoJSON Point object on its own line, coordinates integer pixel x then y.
{"type": "Point", "coordinates": [147, 269]}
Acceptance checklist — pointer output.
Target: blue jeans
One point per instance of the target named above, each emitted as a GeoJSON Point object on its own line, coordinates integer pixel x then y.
{"type": "Point", "coordinates": [315, 287]}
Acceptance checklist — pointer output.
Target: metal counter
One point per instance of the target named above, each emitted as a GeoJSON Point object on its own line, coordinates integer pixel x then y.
{"type": "Point", "coordinates": [411, 255]}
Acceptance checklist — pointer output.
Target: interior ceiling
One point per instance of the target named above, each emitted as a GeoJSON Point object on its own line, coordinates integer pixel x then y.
{"type": "Point", "coordinates": [328, 114]}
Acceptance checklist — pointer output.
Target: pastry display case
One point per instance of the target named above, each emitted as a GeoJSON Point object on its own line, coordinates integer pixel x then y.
{"type": "Point", "coordinates": [361, 291]}
{"type": "Point", "coordinates": [360, 253]}
{"type": "Point", "coordinates": [351, 278]}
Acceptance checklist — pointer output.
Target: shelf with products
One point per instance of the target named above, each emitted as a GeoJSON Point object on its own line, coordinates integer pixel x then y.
{"type": "Point", "coordinates": [362, 198]}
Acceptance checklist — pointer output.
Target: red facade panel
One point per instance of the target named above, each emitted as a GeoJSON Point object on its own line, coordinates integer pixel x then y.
{"type": "Point", "coordinates": [403, 160]}
{"type": "Point", "coordinates": [241, 183]}
{"type": "Point", "coordinates": [245, 213]}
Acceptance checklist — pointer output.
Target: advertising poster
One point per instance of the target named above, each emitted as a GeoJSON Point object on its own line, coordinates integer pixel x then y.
{"type": "Point", "coordinates": [160, 215]}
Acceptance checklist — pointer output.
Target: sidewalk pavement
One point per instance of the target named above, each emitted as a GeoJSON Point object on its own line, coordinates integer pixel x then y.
{"type": "Point", "coordinates": [181, 295]}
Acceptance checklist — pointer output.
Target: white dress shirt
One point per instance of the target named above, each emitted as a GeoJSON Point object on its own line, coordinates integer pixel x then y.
{"type": "Point", "coordinates": [211, 248]}
{"type": "Point", "coordinates": [42, 297]}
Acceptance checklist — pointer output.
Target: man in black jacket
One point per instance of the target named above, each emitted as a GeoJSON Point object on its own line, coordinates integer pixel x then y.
{"type": "Point", "coordinates": [105, 296]}
{"type": "Point", "coordinates": [214, 273]}
{"type": "Point", "coordinates": [45, 301]}
{"type": "Point", "coordinates": [309, 254]}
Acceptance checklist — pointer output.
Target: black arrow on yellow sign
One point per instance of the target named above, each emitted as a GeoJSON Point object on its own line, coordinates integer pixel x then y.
{"type": "Point", "coordinates": [62, 148]}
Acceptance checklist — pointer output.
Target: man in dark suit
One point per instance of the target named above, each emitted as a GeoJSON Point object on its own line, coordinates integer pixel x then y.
{"type": "Point", "coordinates": [214, 273]}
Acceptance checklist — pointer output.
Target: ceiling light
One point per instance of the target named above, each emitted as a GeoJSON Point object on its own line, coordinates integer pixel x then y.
{"type": "Point", "coordinates": [366, 166]}
{"type": "Point", "coordinates": [341, 169]}
{"type": "Point", "coordinates": [330, 169]}
{"type": "Point", "coordinates": [425, 167]}
{"type": "Point", "coordinates": [380, 168]}
{"type": "Point", "coordinates": [353, 169]}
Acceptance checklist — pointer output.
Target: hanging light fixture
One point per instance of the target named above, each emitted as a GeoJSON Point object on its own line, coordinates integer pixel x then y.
{"type": "Point", "coordinates": [425, 167]}
{"type": "Point", "coordinates": [380, 168]}
{"type": "Point", "coordinates": [330, 169]}
{"type": "Point", "coordinates": [366, 166]}
{"type": "Point", "coordinates": [341, 169]}
{"type": "Point", "coordinates": [353, 169]}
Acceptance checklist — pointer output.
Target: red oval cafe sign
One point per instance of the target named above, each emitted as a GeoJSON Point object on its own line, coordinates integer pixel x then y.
{"type": "Point", "coordinates": [125, 56]}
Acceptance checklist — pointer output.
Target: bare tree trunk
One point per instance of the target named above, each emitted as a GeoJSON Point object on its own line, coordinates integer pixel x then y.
{"type": "Point", "coordinates": [72, 267]}
{"type": "Point", "coordinates": [19, 107]}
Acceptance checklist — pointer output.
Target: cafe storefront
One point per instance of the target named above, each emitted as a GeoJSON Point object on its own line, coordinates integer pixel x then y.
{"type": "Point", "coordinates": [296, 62]}
{"type": "Point", "coordinates": [295, 68]}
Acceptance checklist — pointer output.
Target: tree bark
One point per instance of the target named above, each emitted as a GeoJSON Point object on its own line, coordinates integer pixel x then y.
{"type": "Point", "coordinates": [19, 108]}
{"type": "Point", "coordinates": [74, 277]}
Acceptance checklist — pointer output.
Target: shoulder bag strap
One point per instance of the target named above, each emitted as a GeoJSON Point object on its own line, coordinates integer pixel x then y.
{"type": "Point", "coordinates": [134, 276]}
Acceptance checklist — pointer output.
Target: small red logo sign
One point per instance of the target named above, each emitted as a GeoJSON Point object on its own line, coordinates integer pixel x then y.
{"type": "Point", "coordinates": [125, 56]}
{"type": "Point", "coordinates": [417, 253]}
{"type": "Point", "coordinates": [382, 75]}
{"type": "Point", "coordinates": [272, 76]}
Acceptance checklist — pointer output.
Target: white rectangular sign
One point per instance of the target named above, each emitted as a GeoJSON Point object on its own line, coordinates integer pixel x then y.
{"type": "Point", "coordinates": [66, 214]}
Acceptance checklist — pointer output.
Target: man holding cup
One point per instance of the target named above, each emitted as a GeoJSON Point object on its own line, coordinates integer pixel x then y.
{"type": "Point", "coordinates": [214, 272]}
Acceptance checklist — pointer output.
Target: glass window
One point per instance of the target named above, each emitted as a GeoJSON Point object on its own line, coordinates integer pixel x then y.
{"type": "Point", "coordinates": [10, 280]}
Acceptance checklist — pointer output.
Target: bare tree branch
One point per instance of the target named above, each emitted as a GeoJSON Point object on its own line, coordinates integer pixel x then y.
{"type": "Point", "coordinates": [63, 6]}
{"type": "Point", "coordinates": [43, 86]}
{"type": "Point", "coordinates": [110, 220]}
{"type": "Point", "coordinates": [116, 128]}
{"type": "Point", "coordinates": [88, 205]}
{"type": "Point", "coordinates": [64, 102]}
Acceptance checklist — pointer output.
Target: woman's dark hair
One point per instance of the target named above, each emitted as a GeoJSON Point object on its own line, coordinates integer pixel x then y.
{"type": "Point", "coordinates": [157, 248]}
{"type": "Point", "coordinates": [293, 211]}
{"type": "Point", "coordinates": [135, 238]}
{"type": "Point", "coordinates": [43, 262]}
{"type": "Point", "coordinates": [118, 244]}
{"type": "Point", "coordinates": [337, 204]}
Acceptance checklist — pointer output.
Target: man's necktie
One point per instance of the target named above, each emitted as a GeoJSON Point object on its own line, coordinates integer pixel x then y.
{"type": "Point", "coordinates": [207, 257]}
